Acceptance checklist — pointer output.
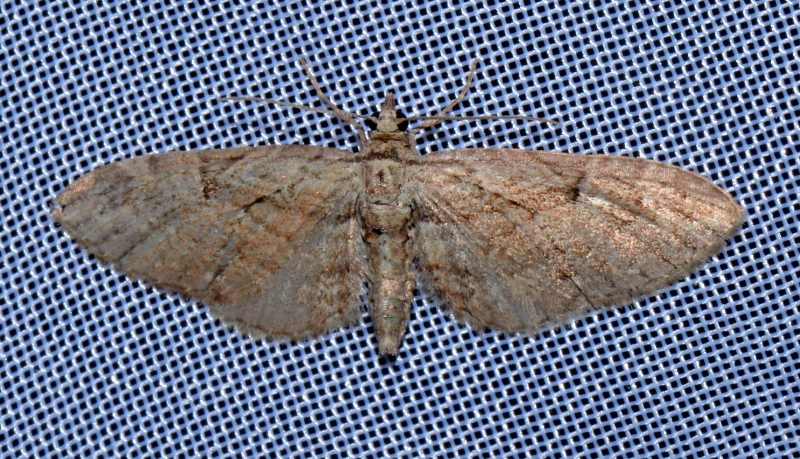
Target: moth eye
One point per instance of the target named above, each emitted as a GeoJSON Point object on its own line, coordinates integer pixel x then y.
{"type": "Point", "coordinates": [372, 124]}
{"type": "Point", "coordinates": [402, 124]}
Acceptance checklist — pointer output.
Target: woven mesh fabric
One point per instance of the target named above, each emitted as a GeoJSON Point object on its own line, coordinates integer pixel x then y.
{"type": "Point", "coordinates": [94, 364]}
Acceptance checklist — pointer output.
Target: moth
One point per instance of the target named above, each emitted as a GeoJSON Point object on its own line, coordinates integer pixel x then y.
{"type": "Point", "coordinates": [286, 241]}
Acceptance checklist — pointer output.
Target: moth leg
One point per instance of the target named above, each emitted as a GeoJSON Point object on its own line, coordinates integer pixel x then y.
{"type": "Point", "coordinates": [444, 111]}
{"type": "Point", "coordinates": [344, 116]}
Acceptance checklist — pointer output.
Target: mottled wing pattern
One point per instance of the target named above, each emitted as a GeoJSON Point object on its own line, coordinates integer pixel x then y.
{"type": "Point", "coordinates": [518, 239]}
{"type": "Point", "coordinates": [269, 238]}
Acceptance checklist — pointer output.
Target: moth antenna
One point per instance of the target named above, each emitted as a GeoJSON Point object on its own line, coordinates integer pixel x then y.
{"type": "Point", "coordinates": [489, 117]}
{"type": "Point", "coordinates": [278, 102]}
{"type": "Point", "coordinates": [297, 106]}
{"type": "Point", "coordinates": [433, 120]}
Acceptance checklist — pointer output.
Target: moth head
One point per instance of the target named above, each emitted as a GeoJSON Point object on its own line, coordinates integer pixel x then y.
{"type": "Point", "coordinates": [389, 119]}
